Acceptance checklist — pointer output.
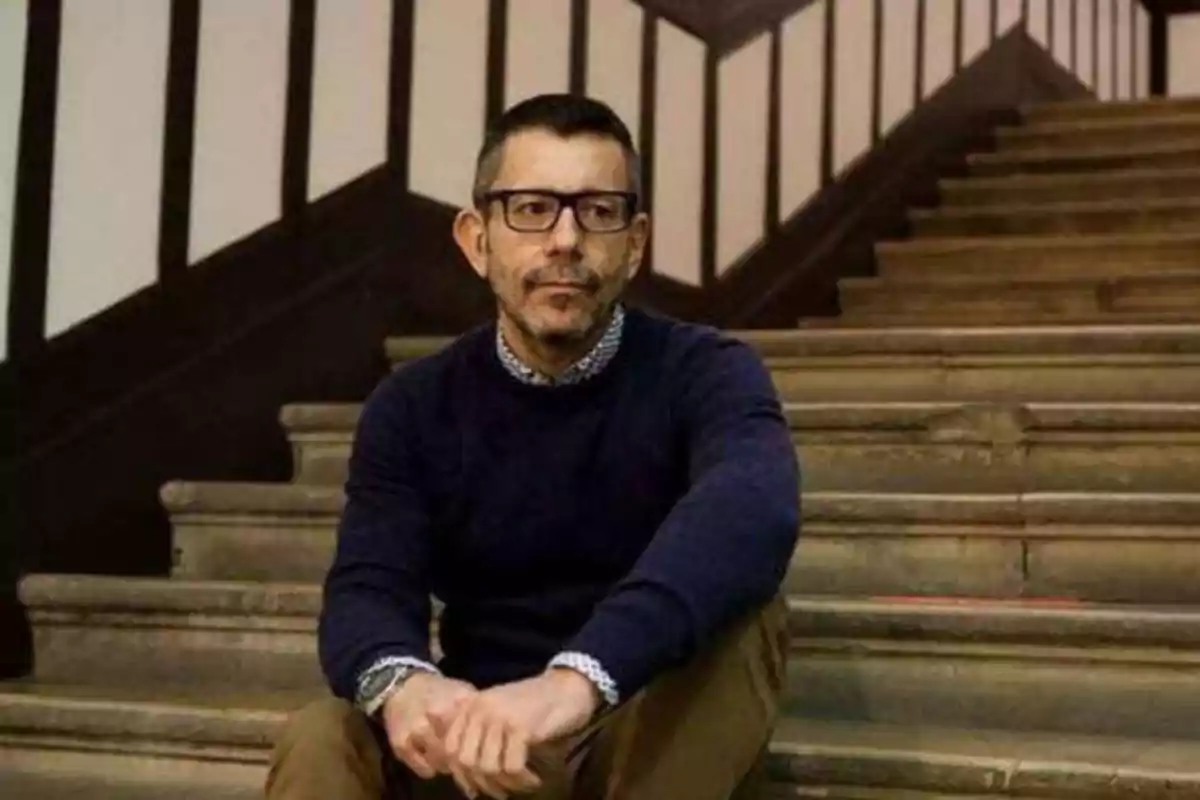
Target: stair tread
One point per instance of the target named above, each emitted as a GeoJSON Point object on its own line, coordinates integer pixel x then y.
{"type": "Point", "coordinates": [1066, 152]}
{"type": "Point", "coordinates": [250, 722]}
{"type": "Point", "coordinates": [1063, 242]}
{"type": "Point", "coordinates": [1073, 207]}
{"type": "Point", "coordinates": [1074, 507]}
{"type": "Point", "coordinates": [910, 414]}
{"type": "Point", "coordinates": [255, 705]}
{"type": "Point", "coordinates": [1133, 175]}
{"type": "Point", "coordinates": [97, 593]}
{"type": "Point", "coordinates": [51, 774]}
{"type": "Point", "coordinates": [1011, 753]}
{"type": "Point", "coordinates": [1157, 104]}
{"type": "Point", "coordinates": [1164, 119]}
{"type": "Point", "coordinates": [948, 280]}
{"type": "Point", "coordinates": [1058, 623]}
{"type": "Point", "coordinates": [1068, 340]}
{"type": "Point", "coordinates": [1030, 615]}
{"type": "Point", "coordinates": [901, 320]}
{"type": "Point", "coordinates": [1071, 340]}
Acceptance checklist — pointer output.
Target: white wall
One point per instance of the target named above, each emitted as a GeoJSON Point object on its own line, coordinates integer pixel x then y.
{"type": "Point", "coordinates": [241, 90]}
{"type": "Point", "coordinates": [107, 163]}
{"type": "Point", "coordinates": [1096, 55]}
{"type": "Point", "coordinates": [1183, 55]}
{"type": "Point", "coordinates": [351, 54]}
{"type": "Point", "coordinates": [107, 171]}
{"type": "Point", "coordinates": [12, 70]}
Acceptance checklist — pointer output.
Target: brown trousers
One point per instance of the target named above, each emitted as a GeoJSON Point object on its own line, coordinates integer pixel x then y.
{"type": "Point", "coordinates": [698, 732]}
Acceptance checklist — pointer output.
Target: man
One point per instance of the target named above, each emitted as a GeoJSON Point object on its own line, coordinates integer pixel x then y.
{"type": "Point", "coordinates": [605, 500]}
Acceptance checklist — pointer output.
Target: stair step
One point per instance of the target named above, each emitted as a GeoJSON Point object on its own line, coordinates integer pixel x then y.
{"type": "Point", "coordinates": [251, 531]}
{"type": "Point", "coordinates": [210, 734]}
{"type": "Point", "coordinates": [1088, 134]}
{"type": "Point", "coordinates": [1089, 363]}
{"type": "Point", "coordinates": [841, 758]}
{"type": "Point", "coordinates": [1019, 299]}
{"type": "Point", "coordinates": [130, 743]}
{"type": "Point", "coordinates": [1071, 160]}
{"type": "Point", "coordinates": [1028, 190]}
{"type": "Point", "coordinates": [1109, 109]}
{"type": "Point", "coordinates": [862, 320]}
{"type": "Point", "coordinates": [1104, 547]}
{"type": "Point", "coordinates": [1055, 257]}
{"type": "Point", "coordinates": [134, 631]}
{"type": "Point", "coordinates": [1116, 670]}
{"type": "Point", "coordinates": [1099, 547]}
{"type": "Point", "coordinates": [214, 725]}
{"type": "Point", "coordinates": [1180, 215]}
{"type": "Point", "coordinates": [49, 773]}
{"type": "Point", "coordinates": [918, 446]}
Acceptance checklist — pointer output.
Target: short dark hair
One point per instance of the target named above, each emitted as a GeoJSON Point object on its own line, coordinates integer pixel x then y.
{"type": "Point", "coordinates": [565, 115]}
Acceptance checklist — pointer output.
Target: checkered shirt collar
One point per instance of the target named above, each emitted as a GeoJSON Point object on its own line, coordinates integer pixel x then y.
{"type": "Point", "coordinates": [589, 366]}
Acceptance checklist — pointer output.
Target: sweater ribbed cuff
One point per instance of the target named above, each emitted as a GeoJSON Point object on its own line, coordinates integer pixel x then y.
{"type": "Point", "coordinates": [591, 669]}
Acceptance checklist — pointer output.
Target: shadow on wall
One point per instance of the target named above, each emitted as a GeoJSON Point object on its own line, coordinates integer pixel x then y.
{"type": "Point", "coordinates": [16, 637]}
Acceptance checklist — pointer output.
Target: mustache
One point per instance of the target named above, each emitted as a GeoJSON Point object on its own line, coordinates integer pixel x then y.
{"type": "Point", "coordinates": [574, 273]}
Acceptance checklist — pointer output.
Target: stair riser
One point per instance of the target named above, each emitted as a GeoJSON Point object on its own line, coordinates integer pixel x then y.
{"type": "Point", "coordinates": [53, 774]}
{"type": "Point", "coordinates": [997, 693]}
{"type": "Point", "coordinates": [133, 656]}
{"type": "Point", "coordinates": [967, 195]}
{"type": "Point", "coordinates": [979, 565]}
{"type": "Point", "coordinates": [914, 462]}
{"type": "Point", "coordinates": [1083, 300]}
{"type": "Point", "coordinates": [1148, 133]}
{"type": "Point", "coordinates": [255, 551]}
{"type": "Point", "coordinates": [1069, 112]}
{"type": "Point", "coordinates": [1027, 264]}
{"type": "Point", "coordinates": [860, 560]}
{"type": "Point", "coordinates": [1063, 163]}
{"type": "Point", "coordinates": [973, 379]}
{"type": "Point", "coordinates": [977, 319]}
{"type": "Point", "coordinates": [1182, 220]}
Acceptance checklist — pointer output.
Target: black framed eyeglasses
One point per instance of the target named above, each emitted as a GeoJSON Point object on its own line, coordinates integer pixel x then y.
{"type": "Point", "coordinates": [538, 210]}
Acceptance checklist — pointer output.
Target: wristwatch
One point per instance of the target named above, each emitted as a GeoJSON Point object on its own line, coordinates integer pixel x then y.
{"type": "Point", "coordinates": [380, 684]}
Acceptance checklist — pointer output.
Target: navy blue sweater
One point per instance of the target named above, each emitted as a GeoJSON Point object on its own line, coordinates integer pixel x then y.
{"type": "Point", "coordinates": [628, 517]}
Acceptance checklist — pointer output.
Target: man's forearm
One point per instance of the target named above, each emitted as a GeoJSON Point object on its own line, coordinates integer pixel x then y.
{"type": "Point", "coordinates": [706, 565]}
{"type": "Point", "coordinates": [726, 545]}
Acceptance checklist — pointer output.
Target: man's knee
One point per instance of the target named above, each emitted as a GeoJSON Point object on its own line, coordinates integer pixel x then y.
{"type": "Point", "coordinates": [327, 728]}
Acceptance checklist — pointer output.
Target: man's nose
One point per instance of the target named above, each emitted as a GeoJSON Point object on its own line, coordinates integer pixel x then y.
{"type": "Point", "coordinates": [566, 232]}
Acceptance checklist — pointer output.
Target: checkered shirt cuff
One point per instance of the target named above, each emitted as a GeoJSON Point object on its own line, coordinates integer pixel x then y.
{"type": "Point", "coordinates": [590, 668]}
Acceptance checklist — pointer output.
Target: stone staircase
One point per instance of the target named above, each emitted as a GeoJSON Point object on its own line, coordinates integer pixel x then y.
{"type": "Point", "coordinates": [995, 593]}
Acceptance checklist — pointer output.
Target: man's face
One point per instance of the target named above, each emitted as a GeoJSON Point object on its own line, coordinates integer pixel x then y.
{"type": "Point", "coordinates": [556, 285]}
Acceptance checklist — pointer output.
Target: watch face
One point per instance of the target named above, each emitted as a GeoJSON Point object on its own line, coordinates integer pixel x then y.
{"type": "Point", "coordinates": [379, 681]}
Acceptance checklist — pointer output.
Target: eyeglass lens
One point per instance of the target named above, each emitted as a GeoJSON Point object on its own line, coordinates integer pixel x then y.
{"type": "Point", "coordinates": [535, 211]}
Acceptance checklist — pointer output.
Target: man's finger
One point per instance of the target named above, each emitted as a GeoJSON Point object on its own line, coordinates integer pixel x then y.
{"type": "Point", "coordinates": [461, 759]}
{"type": "Point", "coordinates": [408, 750]}
{"type": "Point", "coordinates": [479, 729]}
{"type": "Point", "coordinates": [516, 762]}
{"type": "Point", "coordinates": [452, 740]}
{"type": "Point", "coordinates": [427, 742]}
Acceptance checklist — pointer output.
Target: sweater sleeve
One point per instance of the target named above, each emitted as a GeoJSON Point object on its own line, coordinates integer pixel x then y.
{"type": "Point", "coordinates": [376, 603]}
{"type": "Point", "coordinates": [725, 547]}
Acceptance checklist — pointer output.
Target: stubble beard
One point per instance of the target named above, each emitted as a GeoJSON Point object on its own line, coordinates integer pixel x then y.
{"type": "Point", "coordinates": [606, 298]}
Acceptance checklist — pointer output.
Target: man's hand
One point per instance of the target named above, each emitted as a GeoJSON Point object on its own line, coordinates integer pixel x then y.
{"type": "Point", "coordinates": [489, 741]}
{"type": "Point", "coordinates": [417, 717]}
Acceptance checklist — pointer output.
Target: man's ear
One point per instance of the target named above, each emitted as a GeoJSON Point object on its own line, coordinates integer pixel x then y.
{"type": "Point", "coordinates": [470, 232]}
{"type": "Point", "coordinates": [639, 236]}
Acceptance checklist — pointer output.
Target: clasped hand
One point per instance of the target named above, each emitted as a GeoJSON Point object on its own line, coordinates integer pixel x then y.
{"type": "Point", "coordinates": [438, 725]}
